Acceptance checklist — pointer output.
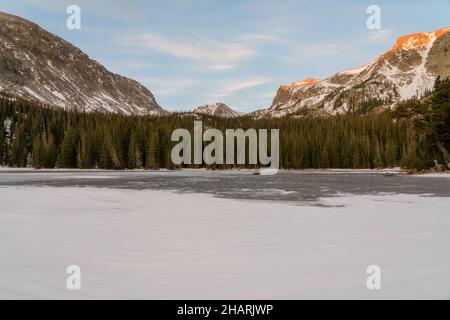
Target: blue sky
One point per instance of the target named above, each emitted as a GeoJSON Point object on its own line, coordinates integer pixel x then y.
{"type": "Point", "coordinates": [192, 52]}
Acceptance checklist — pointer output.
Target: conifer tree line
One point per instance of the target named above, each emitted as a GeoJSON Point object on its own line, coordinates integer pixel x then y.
{"type": "Point", "coordinates": [412, 136]}
{"type": "Point", "coordinates": [428, 127]}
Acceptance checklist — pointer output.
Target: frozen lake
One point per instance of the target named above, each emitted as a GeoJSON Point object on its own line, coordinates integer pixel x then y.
{"type": "Point", "coordinates": [223, 235]}
{"type": "Point", "coordinates": [297, 186]}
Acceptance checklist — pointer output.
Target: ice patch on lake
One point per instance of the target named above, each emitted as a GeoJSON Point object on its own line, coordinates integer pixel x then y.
{"type": "Point", "coordinates": [268, 192]}
{"type": "Point", "coordinates": [89, 177]}
{"type": "Point", "coordinates": [435, 175]}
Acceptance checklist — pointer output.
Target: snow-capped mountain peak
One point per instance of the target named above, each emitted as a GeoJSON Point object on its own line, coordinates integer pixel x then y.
{"type": "Point", "coordinates": [408, 69]}
{"type": "Point", "coordinates": [416, 40]}
{"type": "Point", "coordinates": [217, 110]}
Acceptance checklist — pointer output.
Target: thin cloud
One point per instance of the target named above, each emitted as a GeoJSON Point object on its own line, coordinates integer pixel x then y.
{"type": "Point", "coordinates": [213, 54]}
{"type": "Point", "coordinates": [221, 67]}
{"type": "Point", "coordinates": [232, 87]}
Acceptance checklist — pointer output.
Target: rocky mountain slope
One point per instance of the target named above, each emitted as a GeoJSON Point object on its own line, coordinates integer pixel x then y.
{"type": "Point", "coordinates": [409, 69]}
{"type": "Point", "coordinates": [217, 110]}
{"type": "Point", "coordinates": [37, 65]}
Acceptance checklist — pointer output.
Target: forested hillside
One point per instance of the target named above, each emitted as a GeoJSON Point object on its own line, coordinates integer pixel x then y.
{"type": "Point", "coordinates": [411, 137]}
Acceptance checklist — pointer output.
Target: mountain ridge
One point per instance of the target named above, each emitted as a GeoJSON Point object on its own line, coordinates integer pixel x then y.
{"type": "Point", "coordinates": [40, 66]}
{"type": "Point", "coordinates": [408, 69]}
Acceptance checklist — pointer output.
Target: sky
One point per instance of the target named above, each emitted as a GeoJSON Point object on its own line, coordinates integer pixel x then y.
{"type": "Point", "coordinates": [195, 52]}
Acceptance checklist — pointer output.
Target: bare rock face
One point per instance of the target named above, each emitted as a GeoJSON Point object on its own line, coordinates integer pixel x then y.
{"type": "Point", "coordinates": [438, 63]}
{"type": "Point", "coordinates": [409, 69]}
{"type": "Point", "coordinates": [37, 65]}
{"type": "Point", "coordinates": [217, 110]}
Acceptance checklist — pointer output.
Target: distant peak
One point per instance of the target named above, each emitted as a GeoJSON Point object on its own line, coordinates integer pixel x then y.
{"type": "Point", "coordinates": [424, 39]}
{"type": "Point", "coordinates": [217, 109]}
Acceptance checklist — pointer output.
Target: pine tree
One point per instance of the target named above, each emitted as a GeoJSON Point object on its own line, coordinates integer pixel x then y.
{"type": "Point", "coordinates": [50, 152]}
{"type": "Point", "coordinates": [134, 152]}
{"type": "Point", "coordinates": [2, 143]}
{"type": "Point", "coordinates": [19, 155]}
{"type": "Point", "coordinates": [153, 154]}
{"type": "Point", "coordinates": [38, 153]}
{"type": "Point", "coordinates": [68, 154]}
{"type": "Point", "coordinates": [113, 148]}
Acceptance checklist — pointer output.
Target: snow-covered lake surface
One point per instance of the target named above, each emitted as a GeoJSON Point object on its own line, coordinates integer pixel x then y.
{"type": "Point", "coordinates": [223, 235]}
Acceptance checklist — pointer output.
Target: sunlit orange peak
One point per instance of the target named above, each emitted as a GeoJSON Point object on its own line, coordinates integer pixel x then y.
{"type": "Point", "coordinates": [299, 84]}
{"type": "Point", "coordinates": [419, 39]}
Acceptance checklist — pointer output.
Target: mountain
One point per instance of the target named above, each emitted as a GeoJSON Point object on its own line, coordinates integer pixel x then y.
{"type": "Point", "coordinates": [409, 69]}
{"type": "Point", "coordinates": [217, 110]}
{"type": "Point", "coordinates": [37, 65]}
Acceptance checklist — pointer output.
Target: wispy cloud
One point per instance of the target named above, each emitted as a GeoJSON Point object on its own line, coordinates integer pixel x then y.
{"type": "Point", "coordinates": [214, 54]}
{"type": "Point", "coordinates": [232, 87]}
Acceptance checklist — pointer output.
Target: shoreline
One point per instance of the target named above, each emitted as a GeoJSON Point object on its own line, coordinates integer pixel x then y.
{"type": "Point", "coordinates": [393, 171]}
